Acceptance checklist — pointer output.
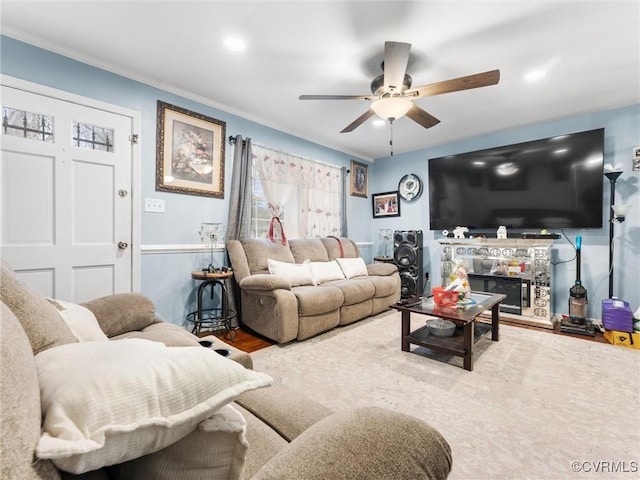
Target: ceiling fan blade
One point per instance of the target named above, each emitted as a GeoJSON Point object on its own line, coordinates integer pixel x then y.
{"type": "Point", "coordinates": [396, 58]}
{"type": "Point", "coordinates": [358, 121]}
{"type": "Point", "coordinates": [336, 97]}
{"type": "Point", "coordinates": [425, 119]}
{"type": "Point", "coordinates": [456, 84]}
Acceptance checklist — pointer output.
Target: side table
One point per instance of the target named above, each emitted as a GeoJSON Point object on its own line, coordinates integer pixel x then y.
{"type": "Point", "coordinates": [213, 317]}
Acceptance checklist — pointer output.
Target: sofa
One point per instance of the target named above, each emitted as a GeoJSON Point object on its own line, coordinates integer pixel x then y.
{"type": "Point", "coordinates": [285, 303]}
{"type": "Point", "coordinates": [263, 431]}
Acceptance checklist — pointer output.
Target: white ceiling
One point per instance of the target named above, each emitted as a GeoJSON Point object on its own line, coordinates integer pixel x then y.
{"type": "Point", "coordinates": [590, 50]}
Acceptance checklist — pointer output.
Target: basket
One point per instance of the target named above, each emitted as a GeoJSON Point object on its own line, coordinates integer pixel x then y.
{"type": "Point", "coordinates": [440, 327]}
{"type": "Point", "coordinates": [443, 297]}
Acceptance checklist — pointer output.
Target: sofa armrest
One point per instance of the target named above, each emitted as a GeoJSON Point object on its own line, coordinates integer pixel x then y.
{"type": "Point", "coordinates": [344, 445]}
{"type": "Point", "coordinates": [286, 411]}
{"type": "Point", "coordinates": [264, 282]}
{"type": "Point", "coordinates": [381, 269]}
{"type": "Point", "coordinates": [122, 312]}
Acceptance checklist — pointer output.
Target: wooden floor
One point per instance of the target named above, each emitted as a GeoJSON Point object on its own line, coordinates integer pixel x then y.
{"type": "Point", "coordinates": [249, 341]}
{"type": "Point", "coordinates": [245, 340]}
{"type": "Point", "coordinates": [599, 337]}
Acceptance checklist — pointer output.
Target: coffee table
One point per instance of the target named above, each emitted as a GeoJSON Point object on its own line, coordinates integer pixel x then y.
{"type": "Point", "coordinates": [468, 330]}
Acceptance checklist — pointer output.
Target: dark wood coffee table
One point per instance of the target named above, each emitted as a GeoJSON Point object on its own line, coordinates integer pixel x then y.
{"type": "Point", "coordinates": [468, 330]}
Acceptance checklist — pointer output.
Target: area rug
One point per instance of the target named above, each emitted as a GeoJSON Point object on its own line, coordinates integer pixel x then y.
{"type": "Point", "coordinates": [536, 405]}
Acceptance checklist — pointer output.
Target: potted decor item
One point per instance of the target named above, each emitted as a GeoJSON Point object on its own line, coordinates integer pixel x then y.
{"type": "Point", "coordinates": [460, 283]}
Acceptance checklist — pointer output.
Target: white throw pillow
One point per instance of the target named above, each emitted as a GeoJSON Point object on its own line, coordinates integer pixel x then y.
{"type": "Point", "coordinates": [326, 271]}
{"type": "Point", "coordinates": [353, 267]}
{"type": "Point", "coordinates": [297, 273]}
{"type": "Point", "coordinates": [80, 320]}
{"type": "Point", "coordinates": [109, 402]}
{"type": "Point", "coordinates": [216, 450]}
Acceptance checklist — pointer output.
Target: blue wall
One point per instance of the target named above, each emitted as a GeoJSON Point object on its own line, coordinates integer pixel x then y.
{"type": "Point", "coordinates": [165, 277]}
{"type": "Point", "coordinates": [622, 134]}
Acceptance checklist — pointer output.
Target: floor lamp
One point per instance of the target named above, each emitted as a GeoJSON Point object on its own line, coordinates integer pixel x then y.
{"type": "Point", "coordinates": [616, 215]}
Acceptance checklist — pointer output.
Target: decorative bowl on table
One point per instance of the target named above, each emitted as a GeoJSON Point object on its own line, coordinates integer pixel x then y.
{"type": "Point", "coordinates": [438, 327]}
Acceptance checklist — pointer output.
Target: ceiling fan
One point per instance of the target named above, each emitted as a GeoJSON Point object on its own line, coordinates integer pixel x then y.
{"type": "Point", "coordinates": [391, 93]}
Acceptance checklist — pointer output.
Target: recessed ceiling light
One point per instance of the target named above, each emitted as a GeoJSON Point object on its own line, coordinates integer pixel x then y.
{"type": "Point", "coordinates": [235, 44]}
{"type": "Point", "coordinates": [535, 75]}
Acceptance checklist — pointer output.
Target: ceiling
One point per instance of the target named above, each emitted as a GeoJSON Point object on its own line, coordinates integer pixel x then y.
{"type": "Point", "coordinates": [589, 50]}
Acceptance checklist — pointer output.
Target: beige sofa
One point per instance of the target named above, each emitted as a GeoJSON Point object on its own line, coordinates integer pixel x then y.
{"type": "Point", "coordinates": [282, 311]}
{"type": "Point", "coordinates": [288, 436]}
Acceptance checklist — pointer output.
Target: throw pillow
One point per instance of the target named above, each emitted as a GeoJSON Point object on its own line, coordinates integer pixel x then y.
{"type": "Point", "coordinates": [326, 271]}
{"type": "Point", "coordinates": [109, 402]}
{"type": "Point", "coordinates": [39, 319]}
{"type": "Point", "coordinates": [353, 267]}
{"type": "Point", "coordinates": [122, 312]}
{"type": "Point", "coordinates": [297, 273]}
{"type": "Point", "coordinates": [216, 450]}
{"type": "Point", "coordinates": [80, 320]}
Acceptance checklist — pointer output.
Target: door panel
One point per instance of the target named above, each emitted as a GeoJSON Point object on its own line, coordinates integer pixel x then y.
{"type": "Point", "coordinates": [93, 185]}
{"type": "Point", "coordinates": [62, 217]}
{"type": "Point", "coordinates": [28, 182]}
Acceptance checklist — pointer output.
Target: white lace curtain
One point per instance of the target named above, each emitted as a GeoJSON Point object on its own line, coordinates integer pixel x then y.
{"type": "Point", "coordinates": [313, 189]}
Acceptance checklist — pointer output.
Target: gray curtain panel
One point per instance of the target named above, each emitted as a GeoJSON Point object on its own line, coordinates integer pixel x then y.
{"type": "Point", "coordinates": [343, 223]}
{"type": "Point", "coordinates": [239, 220]}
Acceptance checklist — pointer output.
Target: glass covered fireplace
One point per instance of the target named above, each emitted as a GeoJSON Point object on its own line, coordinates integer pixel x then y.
{"type": "Point", "coordinates": [516, 267]}
{"type": "Point", "coordinates": [516, 289]}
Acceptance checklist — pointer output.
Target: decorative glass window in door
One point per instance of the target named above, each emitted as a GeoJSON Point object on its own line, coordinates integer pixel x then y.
{"type": "Point", "coordinates": [34, 126]}
{"type": "Point", "coordinates": [92, 137]}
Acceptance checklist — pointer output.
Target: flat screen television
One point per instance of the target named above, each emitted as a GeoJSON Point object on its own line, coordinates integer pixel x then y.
{"type": "Point", "coordinates": [552, 183]}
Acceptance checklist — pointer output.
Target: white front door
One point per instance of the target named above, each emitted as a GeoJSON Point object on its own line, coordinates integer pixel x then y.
{"type": "Point", "coordinates": [66, 203]}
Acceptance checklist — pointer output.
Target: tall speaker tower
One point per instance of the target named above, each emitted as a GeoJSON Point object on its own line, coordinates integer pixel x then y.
{"type": "Point", "coordinates": [407, 255]}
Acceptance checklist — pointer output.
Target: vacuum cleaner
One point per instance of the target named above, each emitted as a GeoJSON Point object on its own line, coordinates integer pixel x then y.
{"type": "Point", "coordinates": [577, 322]}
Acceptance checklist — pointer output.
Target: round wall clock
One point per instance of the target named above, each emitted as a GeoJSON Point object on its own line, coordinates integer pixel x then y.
{"type": "Point", "coordinates": [410, 187]}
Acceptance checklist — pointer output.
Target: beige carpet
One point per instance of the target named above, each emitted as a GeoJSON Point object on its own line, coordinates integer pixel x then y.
{"type": "Point", "coordinates": [534, 404]}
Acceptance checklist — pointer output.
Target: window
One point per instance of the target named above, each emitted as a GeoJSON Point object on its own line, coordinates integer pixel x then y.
{"type": "Point", "coordinates": [34, 126]}
{"type": "Point", "coordinates": [92, 137]}
{"type": "Point", "coordinates": [260, 215]}
{"type": "Point", "coordinates": [306, 195]}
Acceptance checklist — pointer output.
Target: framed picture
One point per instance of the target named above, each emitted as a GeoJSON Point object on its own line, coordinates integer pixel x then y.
{"type": "Point", "coordinates": [359, 179]}
{"type": "Point", "coordinates": [386, 204]}
{"type": "Point", "coordinates": [190, 152]}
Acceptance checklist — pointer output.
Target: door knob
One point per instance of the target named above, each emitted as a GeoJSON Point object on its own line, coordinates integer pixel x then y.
{"type": "Point", "coordinates": [122, 245]}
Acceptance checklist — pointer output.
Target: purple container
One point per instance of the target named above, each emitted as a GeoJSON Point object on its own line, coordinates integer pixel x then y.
{"type": "Point", "coordinates": [616, 315]}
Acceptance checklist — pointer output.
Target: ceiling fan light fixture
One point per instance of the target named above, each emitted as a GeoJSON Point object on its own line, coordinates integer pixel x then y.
{"type": "Point", "coordinates": [391, 107]}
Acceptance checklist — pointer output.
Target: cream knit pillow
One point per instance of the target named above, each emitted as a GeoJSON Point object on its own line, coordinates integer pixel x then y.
{"type": "Point", "coordinates": [108, 402]}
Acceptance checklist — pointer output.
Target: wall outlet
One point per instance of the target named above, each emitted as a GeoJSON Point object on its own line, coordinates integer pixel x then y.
{"type": "Point", "coordinates": [155, 205]}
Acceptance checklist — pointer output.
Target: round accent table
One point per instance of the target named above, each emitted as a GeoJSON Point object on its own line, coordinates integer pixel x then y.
{"type": "Point", "coordinates": [212, 317]}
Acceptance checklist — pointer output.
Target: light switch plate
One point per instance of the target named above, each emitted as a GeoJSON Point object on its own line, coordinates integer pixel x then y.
{"type": "Point", "coordinates": [154, 205]}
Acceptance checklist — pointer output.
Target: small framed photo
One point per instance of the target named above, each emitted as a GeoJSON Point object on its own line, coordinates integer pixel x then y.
{"type": "Point", "coordinates": [359, 179]}
{"type": "Point", "coordinates": [636, 152]}
{"type": "Point", "coordinates": [386, 204]}
{"type": "Point", "coordinates": [190, 152]}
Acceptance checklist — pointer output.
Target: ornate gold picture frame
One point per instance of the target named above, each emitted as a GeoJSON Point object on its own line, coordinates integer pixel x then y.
{"type": "Point", "coordinates": [359, 179]}
{"type": "Point", "coordinates": [190, 152]}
